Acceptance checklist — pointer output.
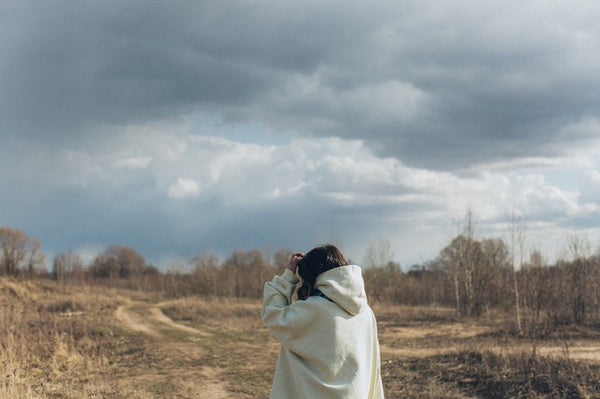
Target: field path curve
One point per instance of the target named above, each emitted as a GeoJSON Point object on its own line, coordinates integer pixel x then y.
{"type": "Point", "coordinates": [132, 321]}
{"type": "Point", "coordinates": [158, 315]}
{"type": "Point", "coordinates": [176, 342]}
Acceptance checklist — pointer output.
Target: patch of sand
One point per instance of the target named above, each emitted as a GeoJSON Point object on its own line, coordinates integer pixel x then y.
{"type": "Point", "coordinates": [158, 315]}
{"type": "Point", "coordinates": [455, 330]}
{"type": "Point", "coordinates": [212, 387]}
{"type": "Point", "coordinates": [578, 351]}
{"type": "Point", "coordinates": [413, 352]}
{"type": "Point", "coordinates": [133, 322]}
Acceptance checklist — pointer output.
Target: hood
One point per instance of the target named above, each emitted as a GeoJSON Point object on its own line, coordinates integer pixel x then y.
{"type": "Point", "coordinates": [344, 286]}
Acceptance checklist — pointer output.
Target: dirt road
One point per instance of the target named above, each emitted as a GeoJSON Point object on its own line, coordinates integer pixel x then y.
{"type": "Point", "coordinates": [224, 351]}
{"type": "Point", "coordinates": [467, 335]}
{"type": "Point", "coordinates": [175, 364]}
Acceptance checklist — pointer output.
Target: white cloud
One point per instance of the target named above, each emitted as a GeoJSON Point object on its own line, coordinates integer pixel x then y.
{"type": "Point", "coordinates": [594, 175]}
{"type": "Point", "coordinates": [345, 172]}
{"type": "Point", "coordinates": [133, 163]}
{"type": "Point", "coordinates": [320, 188]}
{"type": "Point", "coordinates": [184, 188]}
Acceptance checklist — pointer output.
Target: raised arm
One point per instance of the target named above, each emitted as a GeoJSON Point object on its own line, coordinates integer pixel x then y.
{"type": "Point", "coordinates": [277, 298]}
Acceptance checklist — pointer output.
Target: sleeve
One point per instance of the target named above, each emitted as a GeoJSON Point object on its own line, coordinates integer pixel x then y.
{"type": "Point", "coordinates": [276, 312]}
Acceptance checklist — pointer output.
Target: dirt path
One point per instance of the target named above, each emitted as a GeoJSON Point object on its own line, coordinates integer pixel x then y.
{"type": "Point", "coordinates": [176, 343]}
{"type": "Point", "coordinates": [133, 322]}
{"type": "Point", "coordinates": [577, 350]}
{"type": "Point", "coordinates": [161, 317]}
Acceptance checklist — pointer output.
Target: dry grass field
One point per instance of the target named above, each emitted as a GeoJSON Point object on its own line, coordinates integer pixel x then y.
{"type": "Point", "coordinates": [91, 342]}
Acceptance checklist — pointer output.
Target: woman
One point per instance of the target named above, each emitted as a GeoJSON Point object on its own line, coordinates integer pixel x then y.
{"type": "Point", "coordinates": [328, 337]}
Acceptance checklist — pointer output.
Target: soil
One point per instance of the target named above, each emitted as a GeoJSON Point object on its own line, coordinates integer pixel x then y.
{"type": "Point", "coordinates": [177, 341]}
{"type": "Point", "coordinates": [234, 357]}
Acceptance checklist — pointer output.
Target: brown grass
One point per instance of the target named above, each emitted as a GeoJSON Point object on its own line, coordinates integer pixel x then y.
{"type": "Point", "coordinates": [82, 342]}
{"type": "Point", "coordinates": [57, 344]}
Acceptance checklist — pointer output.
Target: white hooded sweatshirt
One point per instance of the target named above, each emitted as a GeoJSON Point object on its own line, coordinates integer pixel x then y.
{"type": "Point", "coordinates": [329, 347]}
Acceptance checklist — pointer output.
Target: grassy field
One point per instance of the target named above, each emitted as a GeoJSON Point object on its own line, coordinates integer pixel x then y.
{"type": "Point", "coordinates": [89, 342]}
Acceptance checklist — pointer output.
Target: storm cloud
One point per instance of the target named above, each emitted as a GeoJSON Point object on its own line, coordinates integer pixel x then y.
{"type": "Point", "coordinates": [436, 84]}
{"type": "Point", "coordinates": [194, 124]}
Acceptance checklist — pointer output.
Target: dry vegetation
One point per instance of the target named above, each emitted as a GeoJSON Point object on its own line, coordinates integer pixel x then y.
{"type": "Point", "coordinates": [431, 353]}
{"type": "Point", "coordinates": [57, 344]}
{"type": "Point", "coordinates": [92, 342]}
{"type": "Point", "coordinates": [480, 321]}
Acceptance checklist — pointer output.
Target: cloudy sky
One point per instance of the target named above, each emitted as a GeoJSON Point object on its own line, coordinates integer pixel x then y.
{"type": "Point", "coordinates": [189, 126]}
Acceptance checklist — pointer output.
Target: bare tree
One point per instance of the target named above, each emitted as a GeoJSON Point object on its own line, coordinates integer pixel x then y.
{"type": "Point", "coordinates": [517, 243]}
{"type": "Point", "coordinates": [580, 278]}
{"type": "Point", "coordinates": [535, 278]}
{"type": "Point", "coordinates": [66, 265]}
{"type": "Point", "coordinates": [205, 273]}
{"type": "Point", "coordinates": [118, 262]}
{"type": "Point", "coordinates": [130, 262]}
{"type": "Point", "coordinates": [281, 257]}
{"type": "Point", "coordinates": [494, 272]}
{"type": "Point", "coordinates": [458, 260]}
{"type": "Point", "coordinates": [477, 270]}
{"type": "Point", "coordinates": [104, 266]}
{"type": "Point", "coordinates": [579, 247]}
{"type": "Point", "coordinates": [245, 272]}
{"type": "Point", "coordinates": [378, 253]}
{"type": "Point", "coordinates": [19, 252]}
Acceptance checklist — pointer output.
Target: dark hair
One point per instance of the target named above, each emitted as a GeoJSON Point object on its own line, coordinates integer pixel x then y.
{"type": "Point", "coordinates": [318, 260]}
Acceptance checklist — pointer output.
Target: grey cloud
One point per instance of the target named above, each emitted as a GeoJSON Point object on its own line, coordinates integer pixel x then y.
{"type": "Point", "coordinates": [499, 82]}
{"type": "Point", "coordinates": [157, 227]}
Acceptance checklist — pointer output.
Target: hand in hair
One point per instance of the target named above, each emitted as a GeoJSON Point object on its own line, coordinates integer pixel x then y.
{"type": "Point", "coordinates": [293, 264]}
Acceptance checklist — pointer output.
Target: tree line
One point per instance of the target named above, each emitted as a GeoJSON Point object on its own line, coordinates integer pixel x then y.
{"type": "Point", "coordinates": [471, 275]}
{"type": "Point", "coordinates": [241, 274]}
